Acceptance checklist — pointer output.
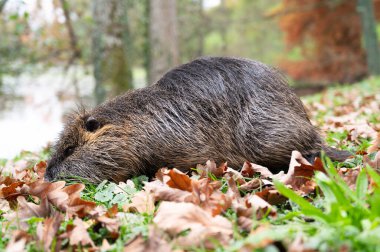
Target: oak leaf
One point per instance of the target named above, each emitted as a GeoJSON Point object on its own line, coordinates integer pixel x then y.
{"type": "Point", "coordinates": [47, 230]}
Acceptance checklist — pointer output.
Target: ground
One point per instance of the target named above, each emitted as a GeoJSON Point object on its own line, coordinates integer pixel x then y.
{"type": "Point", "coordinates": [324, 206]}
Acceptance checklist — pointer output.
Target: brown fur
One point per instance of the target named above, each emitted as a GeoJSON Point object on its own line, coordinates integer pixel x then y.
{"type": "Point", "coordinates": [224, 109]}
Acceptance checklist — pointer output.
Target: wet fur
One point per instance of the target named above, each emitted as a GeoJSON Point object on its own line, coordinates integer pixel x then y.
{"type": "Point", "coordinates": [224, 109]}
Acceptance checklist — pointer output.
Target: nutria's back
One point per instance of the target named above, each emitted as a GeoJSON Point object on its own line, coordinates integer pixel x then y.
{"type": "Point", "coordinates": [224, 109]}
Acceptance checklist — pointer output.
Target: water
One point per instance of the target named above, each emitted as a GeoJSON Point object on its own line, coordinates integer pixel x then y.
{"type": "Point", "coordinates": [32, 107]}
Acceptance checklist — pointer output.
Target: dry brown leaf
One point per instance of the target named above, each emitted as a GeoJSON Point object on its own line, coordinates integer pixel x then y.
{"type": "Point", "coordinates": [235, 175]}
{"type": "Point", "coordinates": [4, 206]}
{"type": "Point", "coordinates": [47, 230]}
{"type": "Point", "coordinates": [300, 171]}
{"type": "Point", "coordinates": [212, 168]}
{"type": "Point", "coordinates": [207, 195]}
{"type": "Point", "coordinates": [264, 171]}
{"type": "Point", "coordinates": [375, 163]}
{"type": "Point", "coordinates": [79, 207]}
{"type": "Point", "coordinates": [177, 217]}
{"type": "Point", "coordinates": [49, 190]}
{"type": "Point", "coordinates": [142, 202]}
{"type": "Point", "coordinates": [375, 144]}
{"type": "Point", "coordinates": [155, 242]}
{"type": "Point", "coordinates": [177, 179]}
{"type": "Point", "coordinates": [18, 241]}
{"type": "Point", "coordinates": [65, 198]}
{"type": "Point", "coordinates": [232, 191]}
{"type": "Point", "coordinates": [107, 218]}
{"type": "Point", "coordinates": [78, 234]}
{"type": "Point", "coordinates": [272, 196]}
{"type": "Point", "coordinates": [40, 169]}
{"type": "Point", "coordinates": [247, 170]}
{"type": "Point", "coordinates": [99, 210]}
{"type": "Point", "coordinates": [251, 185]}
{"type": "Point", "coordinates": [29, 209]}
{"type": "Point", "coordinates": [112, 225]}
{"type": "Point", "coordinates": [350, 176]}
{"type": "Point", "coordinates": [112, 212]}
{"type": "Point", "coordinates": [12, 191]}
{"type": "Point", "coordinates": [166, 193]}
{"type": "Point", "coordinates": [260, 207]}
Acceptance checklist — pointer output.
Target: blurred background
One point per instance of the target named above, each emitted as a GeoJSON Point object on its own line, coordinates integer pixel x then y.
{"type": "Point", "coordinates": [56, 55]}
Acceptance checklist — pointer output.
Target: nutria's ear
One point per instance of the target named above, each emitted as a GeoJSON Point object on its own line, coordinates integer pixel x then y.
{"type": "Point", "coordinates": [92, 124]}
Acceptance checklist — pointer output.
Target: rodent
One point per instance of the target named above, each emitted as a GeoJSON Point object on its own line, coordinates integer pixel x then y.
{"type": "Point", "coordinates": [219, 108]}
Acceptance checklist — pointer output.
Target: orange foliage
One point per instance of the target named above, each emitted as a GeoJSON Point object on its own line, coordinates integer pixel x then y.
{"type": "Point", "coordinates": [329, 36]}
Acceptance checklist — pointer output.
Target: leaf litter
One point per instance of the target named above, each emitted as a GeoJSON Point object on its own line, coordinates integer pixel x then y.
{"type": "Point", "coordinates": [211, 207]}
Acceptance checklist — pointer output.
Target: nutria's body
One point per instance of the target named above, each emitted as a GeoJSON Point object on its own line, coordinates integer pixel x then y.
{"type": "Point", "coordinates": [212, 108]}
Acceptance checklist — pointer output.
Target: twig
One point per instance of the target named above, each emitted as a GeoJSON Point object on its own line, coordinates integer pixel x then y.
{"type": "Point", "coordinates": [73, 38]}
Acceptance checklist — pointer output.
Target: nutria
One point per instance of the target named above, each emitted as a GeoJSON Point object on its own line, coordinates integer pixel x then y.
{"type": "Point", "coordinates": [225, 109]}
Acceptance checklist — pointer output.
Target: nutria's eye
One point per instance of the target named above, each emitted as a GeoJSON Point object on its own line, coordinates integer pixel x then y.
{"type": "Point", "coordinates": [92, 124]}
{"type": "Point", "coordinates": [69, 151]}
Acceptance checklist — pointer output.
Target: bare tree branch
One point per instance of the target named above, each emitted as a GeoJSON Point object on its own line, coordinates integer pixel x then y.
{"type": "Point", "coordinates": [73, 38]}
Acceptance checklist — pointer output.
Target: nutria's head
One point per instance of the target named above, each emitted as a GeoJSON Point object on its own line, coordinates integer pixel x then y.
{"type": "Point", "coordinates": [94, 148]}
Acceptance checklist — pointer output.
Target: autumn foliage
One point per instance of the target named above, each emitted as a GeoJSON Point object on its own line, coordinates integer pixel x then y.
{"type": "Point", "coordinates": [328, 34]}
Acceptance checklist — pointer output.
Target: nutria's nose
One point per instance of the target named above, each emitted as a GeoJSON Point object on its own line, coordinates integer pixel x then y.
{"type": "Point", "coordinates": [49, 174]}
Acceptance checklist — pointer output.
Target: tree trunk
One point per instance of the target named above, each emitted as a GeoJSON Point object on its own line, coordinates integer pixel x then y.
{"type": "Point", "coordinates": [371, 45]}
{"type": "Point", "coordinates": [110, 48]}
{"type": "Point", "coordinates": [2, 4]}
{"type": "Point", "coordinates": [163, 37]}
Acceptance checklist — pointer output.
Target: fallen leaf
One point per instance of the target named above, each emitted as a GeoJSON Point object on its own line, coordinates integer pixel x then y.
{"type": "Point", "coordinates": [111, 224]}
{"type": "Point", "coordinates": [40, 169]}
{"type": "Point", "coordinates": [18, 241]}
{"type": "Point", "coordinates": [272, 196]}
{"type": "Point", "coordinates": [12, 191]}
{"type": "Point", "coordinates": [350, 176]}
{"type": "Point", "coordinates": [235, 175]}
{"type": "Point", "coordinates": [29, 209]}
{"type": "Point", "coordinates": [177, 179]}
{"type": "Point", "coordinates": [251, 185]}
{"type": "Point", "coordinates": [46, 231]}
{"type": "Point", "coordinates": [78, 234]}
{"type": "Point", "coordinates": [142, 202]}
{"type": "Point", "coordinates": [211, 167]}
{"type": "Point", "coordinates": [375, 163]}
{"type": "Point", "coordinates": [260, 207]}
{"type": "Point", "coordinates": [154, 242]}
{"type": "Point", "coordinates": [202, 227]}
{"type": "Point", "coordinates": [166, 193]}
{"type": "Point", "coordinates": [4, 206]}
{"type": "Point", "coordinates": [375, 144]}
{"type": "Point", "coordinates": [247, 170]}
{"type": "Point", "coordinates": [207, 195]}
{"type": "Point", "coordinates": [300, 171]}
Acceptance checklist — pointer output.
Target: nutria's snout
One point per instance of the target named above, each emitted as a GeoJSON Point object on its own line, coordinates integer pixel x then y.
{"type": "Point", "coordinates": [50, 174]}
